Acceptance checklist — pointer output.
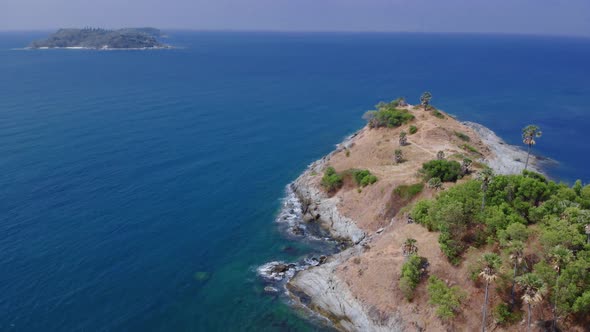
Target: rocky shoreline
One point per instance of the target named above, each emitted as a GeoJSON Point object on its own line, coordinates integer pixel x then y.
{"type": "Point", "coordinates": [315, 285]}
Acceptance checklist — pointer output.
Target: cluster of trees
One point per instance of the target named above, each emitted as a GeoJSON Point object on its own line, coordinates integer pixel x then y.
{"type": "Point", "coordinates": [388, 115]}
{"type": "Point", "coordinates": [98, 38]}
{"type": "Point", "coordinates": [444, 170]}
{"type": "Point", "coordinates": [332, 181]}
{"type": "Point", "coordinates": [537, 233]}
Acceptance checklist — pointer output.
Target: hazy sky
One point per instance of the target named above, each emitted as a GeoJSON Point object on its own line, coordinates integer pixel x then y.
{"type": "Point", "coordinates": [563, 17]}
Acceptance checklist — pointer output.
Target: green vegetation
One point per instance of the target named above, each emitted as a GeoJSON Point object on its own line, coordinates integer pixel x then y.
{"type": "Point", "coordinates": [435, 183]}
{"type": "Point", "coordinates": [462, 136]}
{"type": "Point", "coordinates": [470, 148]}
{"type": "Point", "coordinates": [445, 170]}
{"type": "Point", "coordinates": [438, 114]}
{"type": "Point", "coordinates": [407, 193]}
{"type": "Point", "coordinates": [388, 115]}
{"type": "Point", "coordinates": [520, 212]}
{"type": "Point", "coordinates": [529, 133]}
{"type": "Point", "coordinates": [447, 299]}
{"type": "Point", "coordinates": [413, 129]}
{"type": "Point", "coordinates": [363, 177]}
{"type": "Point", "coordinates": [425, 100]}
{"type": "Point", "coordinates": [411, 275]}
{"type": "Point", "coordinates": [102, 38]}
{"type": "Point", "coordinates": [504, 315]}
{"type": "Point", "coordinates": [331, 181]}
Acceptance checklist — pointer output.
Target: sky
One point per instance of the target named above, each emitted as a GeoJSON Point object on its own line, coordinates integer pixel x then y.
{"type": "Point", "coordinates": [545, 17]}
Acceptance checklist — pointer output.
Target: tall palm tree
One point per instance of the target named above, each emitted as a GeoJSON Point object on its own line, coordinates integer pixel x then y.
{"type": "Point", "coordinates": [403, 138]}
{"type": "Point", "coordinates": [516, 250]}
{"type": "Point", "coordinates": [534, 290]}
{"type": "Point", "coordinates": [485, 176]}
{"type": "Point", "coordinates": [559, 257]}
{"type": "Point", "coordinates": [465, 166]}
{"type": "Point", "coordinates": [425, 100]}
{"type": "Point", "coordinates": [489, 273]}
{"type": "Point", "coordinates": [409, 247]}
{"type": "Point", "coordinates": [529, 133]}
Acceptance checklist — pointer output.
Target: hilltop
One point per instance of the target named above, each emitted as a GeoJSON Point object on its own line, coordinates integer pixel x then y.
{"type": "Point", "coordinates": [382, 186]}
{"type": "Point", "coordinates": [90, 38]}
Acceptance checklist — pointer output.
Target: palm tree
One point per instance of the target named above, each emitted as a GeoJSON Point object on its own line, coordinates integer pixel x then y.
{"type": "Point", "coordinates": [399, 156]}
{"type": "Point", "coordinates": [529, 133]}
{"type": "Point", "coordinates": [534, 290]}
{"type": "Point", "coordinates": [403, 138]}
{"type": "Point", "coordinates": [485, 176]}
{"type": "Point", "coordinates": [435, 183]}
{"type": "Point", "coordinates": [516, 249]}
{"type": "Point", "coordinates": [465, 166]}
{"type": "Point", "coordinates": [489, 273]}
{"type": "Point", "coordinates": [425, 100]}
{"type": "Point", "coordinates": [440, 155]}
{"type": "Point", "coordinates": [559, 257]}
{"type": "Point", "coordinates": [409, 247]}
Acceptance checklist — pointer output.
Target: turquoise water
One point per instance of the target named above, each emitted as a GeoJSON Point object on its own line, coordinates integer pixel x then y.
{"type": "Point", "coordinates": [126, 174]}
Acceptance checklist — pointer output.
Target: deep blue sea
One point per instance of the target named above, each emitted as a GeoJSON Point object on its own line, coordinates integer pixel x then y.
{"type": "Point", "coordinates": [139, 189]}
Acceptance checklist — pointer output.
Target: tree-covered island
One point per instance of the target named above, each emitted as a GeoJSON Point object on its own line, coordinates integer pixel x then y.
{"type": "Point", "coordinates": [102, 39]}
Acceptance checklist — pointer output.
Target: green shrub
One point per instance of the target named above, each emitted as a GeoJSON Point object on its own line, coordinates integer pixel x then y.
{"type": "Point", "coordinates": [420, 214]}
{"type": "Point", "coordinates": [363, 177]}
{"type": "Point", "coordinates": [406, 192]}
{"type": "Point", "coordinates": [331, 180]}
{"type": "Point", "coordinates": [411, 275]}
{"type": "Point", "coordinates": [447, 299]}
{"type": "Point", "coordinates": [438, 114]}
{"type": "Point", "coordinates": [387, 115]}
{"type": "Point", "coordinates": [447, 171]}
{"type": "Point", "coordinates": [470, 148]}
{"type": "Point", "coordinates": [504, 316]}
{"type": "Point", "coordinates": [462, 136]}
{"type": "Point", "coordinates": [413, 129]}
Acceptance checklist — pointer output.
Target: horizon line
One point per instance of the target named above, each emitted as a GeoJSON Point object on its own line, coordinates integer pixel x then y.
{"type": "Point", "coordinates": [278, 31]}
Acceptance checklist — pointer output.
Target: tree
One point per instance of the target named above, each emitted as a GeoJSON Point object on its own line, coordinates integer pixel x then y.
{"type": "Point", "coordinates": [447, 299]}
{"type": "Point", "coordinates": [485, 176]}
{"type": "Point", "coordinates": [435, 183]}
{"type": "Point", "coordinates": [516, 256]}
{"type": "Point", "coordinates": [587, 231]}
{"type": "Point", "coordinates": [440, 155]}
{"type": "Point", "coordinates": [409, 247]}
{"type": "Point", "coordinates": [399, 156]}
{"type": "Point", "coordinates": [403, 138]}
{"type": "Point", "coordinates": [425, 100]}
{"type": "Point", "coordinates": [529, 133]}
{"type": "Point", "coordinates": [559, 257]}
{"type": "Point", "coordinates": [489, 273]}
{"type": "Point", "coordinates": [534, 290]}
{"type": "Point", "coordinates": [465, 165]}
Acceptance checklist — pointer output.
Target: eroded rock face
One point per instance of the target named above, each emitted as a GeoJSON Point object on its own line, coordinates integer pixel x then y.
{"type": "Point", "coordinates": [336, 301]}
{"type": "Point", "coordinates": [318, 207]}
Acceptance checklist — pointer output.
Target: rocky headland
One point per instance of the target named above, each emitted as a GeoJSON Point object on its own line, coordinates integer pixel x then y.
{"type": "Point", "coordinates": [356, 288]}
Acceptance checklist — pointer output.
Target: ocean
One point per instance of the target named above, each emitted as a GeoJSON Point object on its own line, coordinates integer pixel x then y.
{"type": "Point", "coordinates": [139, 189]}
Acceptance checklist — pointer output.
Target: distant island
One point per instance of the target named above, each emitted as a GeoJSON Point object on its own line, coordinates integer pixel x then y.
{"type": "Point", "coordinates": [102, 39]}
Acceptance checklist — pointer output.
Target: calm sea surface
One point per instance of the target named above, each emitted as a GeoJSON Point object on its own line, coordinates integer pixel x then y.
{"type": "Point", "coordinates": [138, 190]}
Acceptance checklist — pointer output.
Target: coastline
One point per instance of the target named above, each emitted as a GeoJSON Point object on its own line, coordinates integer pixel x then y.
{"type": "Point", "coordinates": [81, 48]}
{"type": "Point", "coordinates": [317, 287]}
